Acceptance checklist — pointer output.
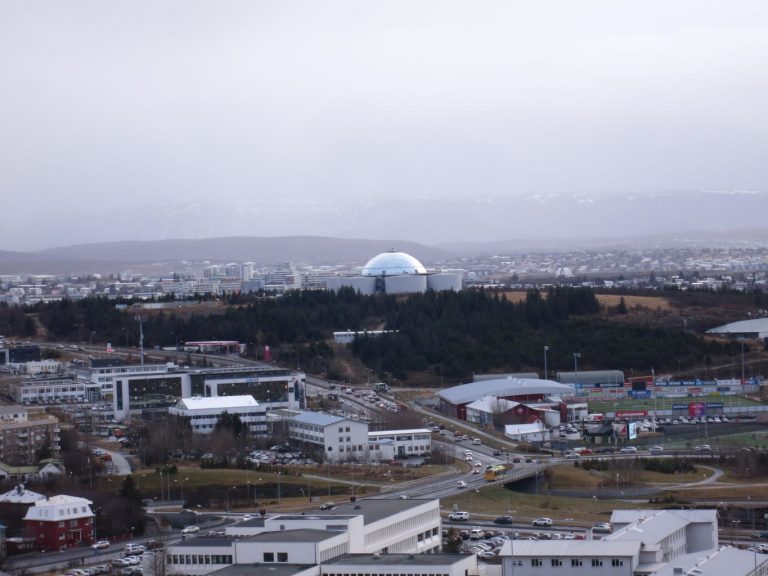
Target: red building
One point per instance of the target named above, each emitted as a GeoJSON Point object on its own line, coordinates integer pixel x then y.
{"type": "Point", "coordinates": [60, 522]}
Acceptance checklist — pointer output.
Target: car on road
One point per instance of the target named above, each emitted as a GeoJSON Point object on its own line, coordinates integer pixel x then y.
{"type": "Point", "coordinates": [503, 520]}
{"type": "Point", "coordinates": [459, 517]}
{"type": "Point", "coordinates": [657, 450]}
{"type": "Point", "coordinates": [100, 544]}
{"type": "Point", "coordinates": [190, 530]}
{"type": "Point", "coordinates": [573, 455]}
{"type": "Point", "coordinates": [629, 450]}
{"type": "Point", "coordinates": [497, 452]}
{"type": "Point", "coordinates": [543, 522]}
{"type": "Point", "coordinates": [703, 448]}
{"type": "Point", "coordinates": [327, 506]}
{"type": "Point", "coordinates": [461, 484]}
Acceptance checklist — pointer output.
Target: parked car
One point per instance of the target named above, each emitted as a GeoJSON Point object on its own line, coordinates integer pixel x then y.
{"type": "Point", "coordinates": [545, 522]}
{"type": "Point", "coordinates": [602, 528]}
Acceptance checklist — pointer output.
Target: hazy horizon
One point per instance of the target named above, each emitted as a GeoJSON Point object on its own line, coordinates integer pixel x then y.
{"type": "Point", "coordinates": [422, 121]}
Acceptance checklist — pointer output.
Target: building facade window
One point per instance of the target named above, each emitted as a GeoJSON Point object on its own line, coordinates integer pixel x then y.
{"type": "Point", "coordinates": [269, 556]}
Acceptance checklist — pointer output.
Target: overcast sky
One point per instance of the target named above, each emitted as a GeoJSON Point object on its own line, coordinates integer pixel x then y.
{"type": "Point", "coordinates": [110, 106]}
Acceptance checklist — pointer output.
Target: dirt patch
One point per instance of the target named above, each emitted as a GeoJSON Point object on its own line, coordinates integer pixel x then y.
{"type": "Point", "coordinates": [609, 300]}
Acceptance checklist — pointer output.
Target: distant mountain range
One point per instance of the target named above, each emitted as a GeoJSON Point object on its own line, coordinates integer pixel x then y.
{"type": "Point", "coordinates": [107, 257]}
{"type": "Point", "coordinates": [339, 229]}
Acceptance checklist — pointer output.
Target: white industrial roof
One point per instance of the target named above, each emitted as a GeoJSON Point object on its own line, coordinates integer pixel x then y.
{"type": "Point", "coordinates": [726, 560]}
{"type": "Point", "coordinates": [629, 516]}
{"type": "Point", "coordinates": [757, 326]}
{"type": "Point", "coordinates": [570, 548]}
{"type": "Point", "coordinates": [652, 529]}
{"type": "Point", "coordinates": [465, 393]}
{"type": "Point", "coordinates": [318, 418]}
{"type": "Point", "coordinates": [217, 402]}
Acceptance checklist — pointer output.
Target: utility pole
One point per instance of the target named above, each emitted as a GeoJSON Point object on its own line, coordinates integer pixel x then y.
{"type": "Point", "coordinates": [140, 320]}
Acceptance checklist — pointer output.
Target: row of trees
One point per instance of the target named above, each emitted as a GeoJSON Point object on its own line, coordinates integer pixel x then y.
{"type": "Point", "coordinates": [449, 333]}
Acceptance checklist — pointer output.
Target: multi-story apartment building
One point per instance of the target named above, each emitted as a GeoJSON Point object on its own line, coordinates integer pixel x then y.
{"type": "Point", "coordinates": [22, 437]}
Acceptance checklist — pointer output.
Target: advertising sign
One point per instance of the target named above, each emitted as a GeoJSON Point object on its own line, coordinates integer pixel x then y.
{"type": "Point", "coordinates": [679, 406]}
{"type": "Point", "coordinates": [631, 414]}
{"type": "Point", "coordinates": [640, 394]}
{"type": "Point", "coordinates": [714, 405]}
{"type": "Point", "coordinates": [632, 430]}
{"type": "Point", "coordinates": [697, 409]}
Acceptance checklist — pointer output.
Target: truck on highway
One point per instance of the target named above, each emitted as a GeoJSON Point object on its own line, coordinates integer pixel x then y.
{"type": "Point", "coordinates": [381, 387]}
{"type": "Point", "coordinates": [494, 472]}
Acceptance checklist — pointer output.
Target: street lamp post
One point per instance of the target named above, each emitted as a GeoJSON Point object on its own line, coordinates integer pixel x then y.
{"type": "Point", "coordinates": [742, 360]}
{"type": "Point", "coordinates": [546, 349]}
{"type": "Point", "coordinates": [228, 491]}
{"type": "Point", "coordinates": [576, 357]}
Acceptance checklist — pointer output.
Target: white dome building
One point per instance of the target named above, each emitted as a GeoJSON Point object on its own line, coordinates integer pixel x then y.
{"type": "Point", "coordinates": [393, 264]}
{"type": "Point", "coordinates": [396, 273]}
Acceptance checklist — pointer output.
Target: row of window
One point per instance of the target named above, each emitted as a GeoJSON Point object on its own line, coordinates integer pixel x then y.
{"type": "Point", "coordinates": [199, 559]}
{"type": "Point", "coordinates": [421, 536]}
{"type": "Point", "coordinates": [270, 557]}
{"type": "Point", "coordinates": [575, 562]}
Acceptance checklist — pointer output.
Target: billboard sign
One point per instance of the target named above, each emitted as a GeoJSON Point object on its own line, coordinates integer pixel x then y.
{"type": "Point", "coordinates": [697, 409]}
{"type": "Point", "coordinates": [640, 394]}
{"type": "Point", "coordinates": [632, 430]}
{"type": "Point", "coordinates": [631, 414]}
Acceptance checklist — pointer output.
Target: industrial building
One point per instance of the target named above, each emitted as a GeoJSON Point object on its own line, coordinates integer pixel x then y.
{"type": "Point", "coordinates": [647, 542]}
{"type": "Point", "coordinates": [336, 437]}
{"type": "Point", "coordinates": [756, 328]}
{"type": "Point", "coordinates": [387, 529]}
{"type": "Point", "coordinates": [396, 273]}
{"type": "Point", "coordinates": [204, 413]}
{"type": "Point", "coordinates": [535, 399]}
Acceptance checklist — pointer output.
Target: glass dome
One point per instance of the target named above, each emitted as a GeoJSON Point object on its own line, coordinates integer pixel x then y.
{"type": "Point", "coordinates": [393, 264]}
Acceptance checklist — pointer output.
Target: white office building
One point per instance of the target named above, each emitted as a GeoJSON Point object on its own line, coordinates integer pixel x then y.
{"type": "Point", "coordinates": [404, 443]}
{"type": "Point", "coordinates": [204, 413]}
{"type": "Point", "coordinates": [366, 527]}
{"type": "Point", "coordinates": [339, 438]}
{"type": "Point", "coordinates": [643, 543]}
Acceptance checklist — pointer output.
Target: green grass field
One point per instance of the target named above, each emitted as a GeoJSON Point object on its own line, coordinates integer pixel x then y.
{"type": "Point", "coordinates": [666, 403]}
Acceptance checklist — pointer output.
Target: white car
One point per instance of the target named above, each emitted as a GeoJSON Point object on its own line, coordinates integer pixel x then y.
{"type": "Point", "coordinates": [544, 522]}
{"type": "Point", "coordinates": [629, 450]}
{"type": "Point", "coordinates": [461, 484]}
{"type": "Point", "coordinates": [100, 544]}
{"type": "Point", "coordinates": [458, 516]}
{"type": "Point", "coordinates": [190, 530]}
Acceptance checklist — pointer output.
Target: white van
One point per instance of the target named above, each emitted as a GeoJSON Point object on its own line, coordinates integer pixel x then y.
{"type": "Point", "coordinates": [476, 441]}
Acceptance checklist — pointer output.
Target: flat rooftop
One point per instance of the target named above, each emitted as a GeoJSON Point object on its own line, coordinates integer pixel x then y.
{"type": "Point", "coordinates": [300, 535]}
{"type": "Point", "coordinates": [374, 509]}
{"type": "Point", "coordinates": [398, 559]}
{"type": "Point", "coordinates": [269, 569]}
{"type": "Point", "coordinates": [208, 541]}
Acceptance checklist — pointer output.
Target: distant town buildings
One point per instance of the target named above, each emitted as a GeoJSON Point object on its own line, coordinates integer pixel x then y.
{"type": "Point", "coordinates": [686, 269]}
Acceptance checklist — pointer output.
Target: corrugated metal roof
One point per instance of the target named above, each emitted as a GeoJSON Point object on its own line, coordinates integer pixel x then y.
{"type": "Point", "coordinates": [318, 418]}
{"type": "Point", "coordinates": [503, 387]}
